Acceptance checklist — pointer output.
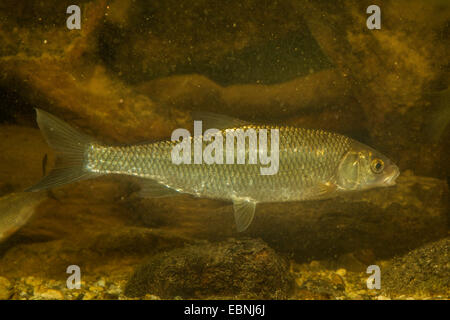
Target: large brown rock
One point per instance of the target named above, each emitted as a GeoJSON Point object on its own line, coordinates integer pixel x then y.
{"type": "Point", "coordinates": [234, 269]}
{"type": "Point", "coordinates": [422, 271]}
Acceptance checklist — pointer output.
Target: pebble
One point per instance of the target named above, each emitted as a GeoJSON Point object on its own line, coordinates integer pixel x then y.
{"type": "Point", "coordinates": [337, 280]}
{"type": "Point", "coordinates": [314, 264]}
{"type": "Point", "coordinates": [381, 297]}
{"type": "Point", "coordinates": [354, 296]}
{"type": "Point", "coordinates": [101, 283]}
{"type": "Point", "coordinates": [342, 272]}
{"type": "Point", "coordinates": [49, 294]}
{"type": "Point", "coordinates": [152, 297]}
{"type": "Point", "coordinates": [114, 292]}
{"type": "Point", "coordinates": [89, 296]}
{"type": "Point", "coordinates": [5, 289]}
{"type": "Point", "coordinates": [31, 281]}
{"type": "Point", "coordinates": [96, 289]}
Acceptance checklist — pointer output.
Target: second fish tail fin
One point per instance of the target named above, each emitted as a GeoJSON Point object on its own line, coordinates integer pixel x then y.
{"type": "Point", "coordinates": [70, 146]}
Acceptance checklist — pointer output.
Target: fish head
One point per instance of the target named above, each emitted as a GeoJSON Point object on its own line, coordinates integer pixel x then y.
{"type": "Point", "coordinates": [364, 168]}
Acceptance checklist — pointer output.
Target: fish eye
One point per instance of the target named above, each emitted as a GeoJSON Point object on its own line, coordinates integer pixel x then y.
{"type": "Point", "coordinates": [377, 166]}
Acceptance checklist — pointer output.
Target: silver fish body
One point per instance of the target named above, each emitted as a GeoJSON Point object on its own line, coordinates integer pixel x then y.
{"type": "Point", "coordinates": [307, 159]}
{"type": "Point", "coordinates": [312, 164]}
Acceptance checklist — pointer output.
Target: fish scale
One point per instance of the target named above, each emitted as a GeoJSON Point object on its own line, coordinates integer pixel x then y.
{"type": "Point", "coordinates": [306, 158]}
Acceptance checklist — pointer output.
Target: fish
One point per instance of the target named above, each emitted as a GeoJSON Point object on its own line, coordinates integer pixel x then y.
{"type": "Point", "coordinates": [15, 211]}
{"type": "Point", "coordinates": [313, 164]}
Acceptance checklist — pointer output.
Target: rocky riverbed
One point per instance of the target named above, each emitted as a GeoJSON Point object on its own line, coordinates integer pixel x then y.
{"type": "Point", "coordinates": [307, 281]}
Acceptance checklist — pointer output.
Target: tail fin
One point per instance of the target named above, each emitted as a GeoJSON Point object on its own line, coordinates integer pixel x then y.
{"type": "Point", "coordinates": [70, 146]}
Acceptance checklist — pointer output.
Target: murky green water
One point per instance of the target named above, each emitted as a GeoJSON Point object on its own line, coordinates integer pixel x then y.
{"type": "Point", "coordinates": [134, 71]}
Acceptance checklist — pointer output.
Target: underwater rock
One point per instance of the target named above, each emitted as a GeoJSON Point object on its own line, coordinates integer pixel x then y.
{"type": "Point", "coordinates": [106, 107]}
{"type": "Point", "coordinates": [311, 93]}
{"type": "Point", "coordinates": [319, 289]}
{"type": "Point", "coordinates": [48, 294]}
{"type": "Point", "coordinates": [319, 100]}
{"type": "Point", "coordinates": [425, 270]}
{"type": "Point", "coordinates": [234, 268]}
{"type": "Point", "coordinates": [379, 70]}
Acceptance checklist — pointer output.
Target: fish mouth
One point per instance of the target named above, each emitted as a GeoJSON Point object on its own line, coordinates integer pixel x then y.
{"type": "Point", "coordinates": [390, 180]}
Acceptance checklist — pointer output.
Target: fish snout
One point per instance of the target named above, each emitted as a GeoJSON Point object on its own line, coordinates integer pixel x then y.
{"type": "Point", "coordinates": [392, 176]}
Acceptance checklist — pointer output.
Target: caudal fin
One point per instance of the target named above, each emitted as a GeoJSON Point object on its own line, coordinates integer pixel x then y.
{"type": "Point", "coordinates": [70, 146]}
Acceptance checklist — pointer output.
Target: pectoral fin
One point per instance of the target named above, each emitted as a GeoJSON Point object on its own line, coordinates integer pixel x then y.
{"type": "Point", "coordinates": [244, 210]}
{"type": "Point", "coordinates": [323, 191]}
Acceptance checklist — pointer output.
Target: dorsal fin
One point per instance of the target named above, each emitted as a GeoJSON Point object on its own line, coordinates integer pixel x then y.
{"type": "Point", "coordinates": [217, 121]}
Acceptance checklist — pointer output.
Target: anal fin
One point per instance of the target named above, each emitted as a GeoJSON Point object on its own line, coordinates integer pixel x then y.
{"type": "Point", "coordinates": [244, 211]}
{"type": "Point", "coordinates": [217, 121]}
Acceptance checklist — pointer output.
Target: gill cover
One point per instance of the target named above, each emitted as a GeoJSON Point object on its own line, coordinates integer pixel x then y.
{"type": "Point", "coordinates": [348, 176]}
